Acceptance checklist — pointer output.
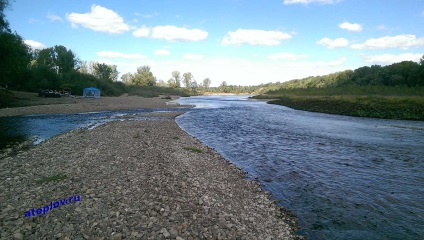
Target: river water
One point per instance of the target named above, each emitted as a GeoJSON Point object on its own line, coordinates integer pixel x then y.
{"type": "Point", "coordinates": [343, 177]}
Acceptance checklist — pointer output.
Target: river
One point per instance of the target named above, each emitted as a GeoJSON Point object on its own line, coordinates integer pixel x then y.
{"type": "Point", "coordinates": [343, 177]}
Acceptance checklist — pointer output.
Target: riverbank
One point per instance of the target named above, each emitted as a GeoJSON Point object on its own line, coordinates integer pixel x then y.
{"type": "Point", "coordinates": [137, 180]}
{"type": "Point", "coordinates": [387, 107]}
{"type": "Point", "coordinates": [68, 105]}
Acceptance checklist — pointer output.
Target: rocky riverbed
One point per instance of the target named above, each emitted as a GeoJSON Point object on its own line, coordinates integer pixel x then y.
{"type": "Point", "coordinates": [136, 180]}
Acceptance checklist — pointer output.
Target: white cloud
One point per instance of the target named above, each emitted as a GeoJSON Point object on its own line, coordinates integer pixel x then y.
{"type": "Point", "coordinates": [353, 27]}
{"type": "Point", "coordinates": [142, 32]}
{"type": "Point", "coordinates": [100, 19]}
{"type": "Point", "coordinates": [109, 54]}
{"type": "Point", "coordinates": [172, 33]}
{"type": "Point", "coordinates": [399, 41]}
{"type": "Point", "coordinates": [286, 56]}
{"type": "Point", "coordinates": [53, 17]}
{"type": "Point", "coordinates": [35, 45]}
{"type": "Point", "coordinates": [255, 37]}
{"type": "Point", "coordinates": [386, 59]}
{"type": "Point", "coordinates": [192, 56]}
{"type": "Point", "coordinates": [336, 43]}
{"type": "Point", "coordinates": [162, 52]}
{"type": "Point", "coordinates": [310, 1]}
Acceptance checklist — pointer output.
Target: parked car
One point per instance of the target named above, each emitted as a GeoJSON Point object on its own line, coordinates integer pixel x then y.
{"type": "Point", "coordinates": [48, 93]}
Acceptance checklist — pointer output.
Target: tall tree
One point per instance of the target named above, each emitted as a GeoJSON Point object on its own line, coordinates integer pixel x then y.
{"type": "Point", "coordinates": [176, 78]}
{"type": "Point", "coordinates": [14, 53]}
{"type": "Point", "coordinates": [144, 77]}
{"type": "Point", "coordinates": [4, 25]}
{"type": "Point", "coordinates": [206, 83]}
{"type": "Point", "coordinates": [65, 60]}
{"type": "Point", "coordinates": [15, 58]}
{"type": "Point", "coordinates": [105, 72]}
{"type": "Point", "coordinates": [187, 78]}
{"type": "Point", "coordinates": [127, 78]}
{"type": "Point", "coordinates": [161, 83]}
{"type": "Point", "coordinates": [58, 59]}
{"type": "Point", "coordinates": [223, 87]}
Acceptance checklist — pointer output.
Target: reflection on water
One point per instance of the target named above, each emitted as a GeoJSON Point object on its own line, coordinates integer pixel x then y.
{"type": "Point", "coordinates": [344, 177]}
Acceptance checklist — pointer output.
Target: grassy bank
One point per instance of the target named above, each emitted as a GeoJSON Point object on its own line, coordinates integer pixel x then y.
{"type": "Point", "coordinates": [389, 107]}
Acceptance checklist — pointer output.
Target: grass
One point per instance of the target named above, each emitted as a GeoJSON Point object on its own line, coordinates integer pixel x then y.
{"type": "Point", "coordinates": [388, 107]}
{"type": "Point", "coordinates": [193, 149]}
{"type": "Point", "coordinates": [57, 177]}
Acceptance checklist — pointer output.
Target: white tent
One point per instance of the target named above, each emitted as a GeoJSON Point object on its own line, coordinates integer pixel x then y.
{"type": "Point", "coordinates": [91, 93]}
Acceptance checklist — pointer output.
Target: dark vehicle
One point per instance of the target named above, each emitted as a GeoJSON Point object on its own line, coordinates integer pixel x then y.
{"type": "Point", "coordinates": [48, 93]}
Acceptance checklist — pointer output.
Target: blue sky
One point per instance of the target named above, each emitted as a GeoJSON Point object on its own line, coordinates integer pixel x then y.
{"type": "Point", "coordinates": [243, 42]}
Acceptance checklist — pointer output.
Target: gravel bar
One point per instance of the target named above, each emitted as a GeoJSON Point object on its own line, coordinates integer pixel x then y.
{"type": "Point", "coordinates": [136, 180]}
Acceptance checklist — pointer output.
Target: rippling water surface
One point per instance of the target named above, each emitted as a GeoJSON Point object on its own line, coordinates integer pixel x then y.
{"type": "Point", "coordinates": [344, 177]}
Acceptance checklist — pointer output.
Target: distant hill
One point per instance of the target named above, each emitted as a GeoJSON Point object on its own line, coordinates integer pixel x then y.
{"type": "Point", "coordinates": [405, 74]}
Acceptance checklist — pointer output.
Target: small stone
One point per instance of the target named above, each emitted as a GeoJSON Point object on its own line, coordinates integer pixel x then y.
{"type": "Point", "coordinates": [117, 236]}
{"type": "Point", "coordinates": [165, 233]}
{"type": "Point", "coordinates": [179, 238]}
{"type": "Point", "coordinates": [18, 236]}
{"type": "Point", "coordinates": [173, 232]}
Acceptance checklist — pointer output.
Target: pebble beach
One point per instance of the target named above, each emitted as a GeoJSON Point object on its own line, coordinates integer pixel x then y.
{"type": "Point", "coordinates": [136, 180]}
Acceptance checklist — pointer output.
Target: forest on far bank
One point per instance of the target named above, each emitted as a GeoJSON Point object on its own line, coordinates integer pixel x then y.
{"type": "Point", "coordinates": [403, 78]}
{"type": "Point", "coordinates": [395, 91]}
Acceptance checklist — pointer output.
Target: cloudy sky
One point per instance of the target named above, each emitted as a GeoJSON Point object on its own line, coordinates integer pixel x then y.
{"type": "Point", "coordinates": [243, 42]}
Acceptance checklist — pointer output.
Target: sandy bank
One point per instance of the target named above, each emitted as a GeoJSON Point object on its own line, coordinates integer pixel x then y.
{"type": "Point", "coordinates": [79, 105]}
{"type": "Point", "coordinates": [136, 181]}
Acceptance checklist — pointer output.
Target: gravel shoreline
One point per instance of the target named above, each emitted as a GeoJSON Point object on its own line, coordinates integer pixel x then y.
{"type": "Point", "coordinates": [79, 105]}
{"type": "Point", "coordinates": [137, 180]}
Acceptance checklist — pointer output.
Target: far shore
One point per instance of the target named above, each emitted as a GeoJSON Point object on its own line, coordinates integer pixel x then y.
{"type": "Point", "coordinates": [224, 94]}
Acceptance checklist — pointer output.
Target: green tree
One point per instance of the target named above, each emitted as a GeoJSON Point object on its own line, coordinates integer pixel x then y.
{"type": "Point", "coordinates": [58, 59]}
{"type": "Point", "coordinates": [187, 78]}
{"type": "Point", "coordinates": [127, 78]}
{"type": "Point", "coordinates": [223, 87]}
{"type": "Point", "coordinates": [206, 83]}
{"type": "Point", "coordinates": [4, 25]}
{"type": "Point", "coordinates": [105, 72]}
{"type": "Point", "coordinates": [161, 83]}
{"type": "Point", "coordinates": [144, 77]}
{"type": "Point", "coordinates": [176, 79]}
{"type": "Point", "coordinates": [14, 53]}
{"type": "Point", "coordinates": [65, 60]}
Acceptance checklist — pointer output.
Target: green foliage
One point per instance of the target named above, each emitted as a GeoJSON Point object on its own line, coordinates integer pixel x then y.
{"type": "Point", "coordinates": [206, 83]}
{"type": "Point", "coordinates": [4, 25]}
{"type": "Point", "coordinates": [406, 73]}
{"type": "Point", "coordinates": [155, 91]}
{"type": "Point", "coordinates": [58, 59]}
{"type": "Point", "coordinates": [48, 179]}
{"type": "Point", "coordinates": [143, 77]}
{"type": "Point", "coordinates": [14, 59]}
{"type": "Point", "coordinates": [409, 108]}
{"type": "Point", "coordinates": [175, 81]}
{"type": "Point", "coordinates": [193, 149]}
{"type": "Point", "coordinates": [187, 78]}
{"type": "Point", "coordinates": [105, 72]}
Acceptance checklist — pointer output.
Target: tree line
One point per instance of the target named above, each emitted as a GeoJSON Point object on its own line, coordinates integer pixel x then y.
{"type": "Point", "coordinates": [405, 74]}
